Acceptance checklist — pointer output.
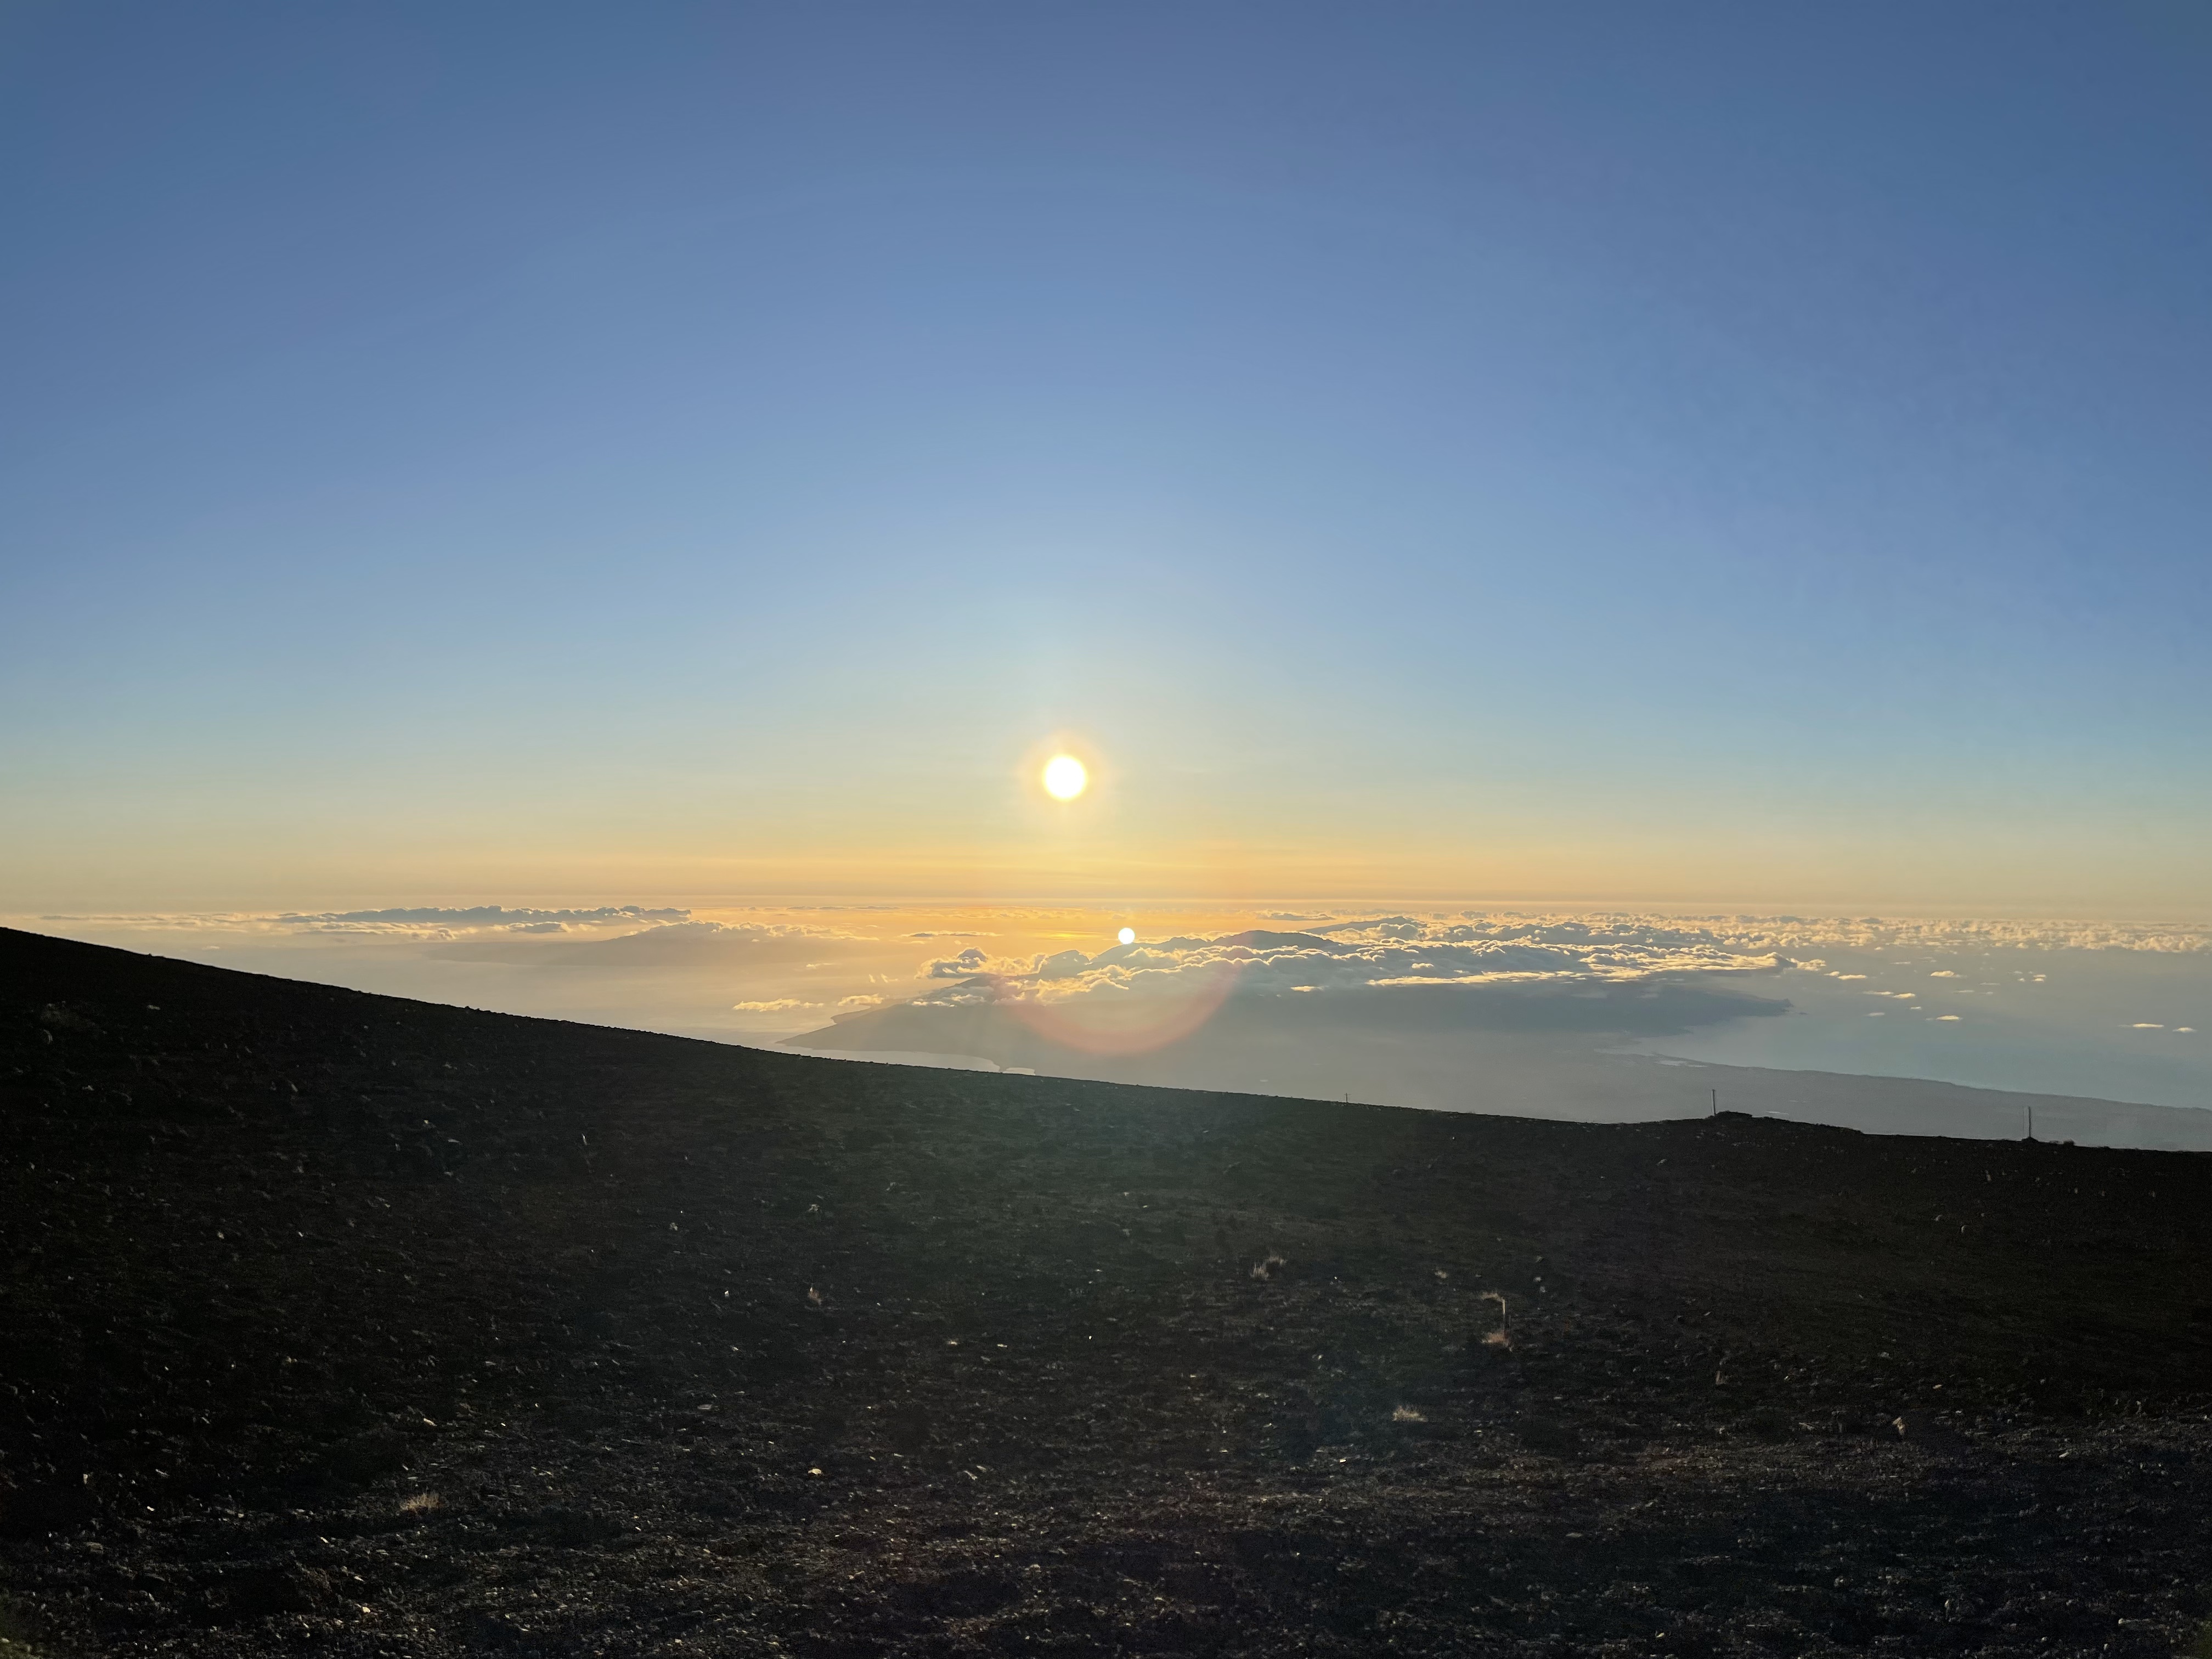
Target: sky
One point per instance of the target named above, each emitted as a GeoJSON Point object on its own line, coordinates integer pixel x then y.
{"type": "Point", "coordinates": [567, 454]}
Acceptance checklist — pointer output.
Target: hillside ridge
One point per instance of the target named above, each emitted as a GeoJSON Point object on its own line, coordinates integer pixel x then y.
{"type": "Point", "coordinates": [344, 1324]}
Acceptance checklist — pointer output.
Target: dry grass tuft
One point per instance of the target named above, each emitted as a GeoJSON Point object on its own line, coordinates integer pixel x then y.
{"type": "Point", "coordinates": [422, 1503]}
{"type": "Point", "coordinates": [1406, 1414]}
{"type": "Point", "coordinates": [1503, 1336]}
{"type": "Point", "coordinates": [1267, 1269]}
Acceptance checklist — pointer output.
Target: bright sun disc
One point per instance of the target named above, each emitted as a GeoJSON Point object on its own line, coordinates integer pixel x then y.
{"type": "Point", "coordinates": [1128, 936]}
{"type": "Point", "coordinates": [1064, 777]}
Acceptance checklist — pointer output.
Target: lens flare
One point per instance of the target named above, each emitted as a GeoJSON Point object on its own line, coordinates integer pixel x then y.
{"type": "Point", "coordinates": [1125, 1023]}
{"type": "Point", "coordinates": [1065, 777]}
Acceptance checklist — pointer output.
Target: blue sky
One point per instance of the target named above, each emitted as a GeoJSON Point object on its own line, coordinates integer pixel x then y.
{"type": "Point", "coordinates": [1748, 453]}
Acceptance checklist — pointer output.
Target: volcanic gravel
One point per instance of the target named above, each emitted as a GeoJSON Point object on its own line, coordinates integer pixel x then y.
{"type": "Point", "coordinates": [334, 1323]}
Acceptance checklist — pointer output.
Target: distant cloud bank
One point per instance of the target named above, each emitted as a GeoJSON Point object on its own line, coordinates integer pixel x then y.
{"type": "Point", "coordinates": [414, 922]}
{"type": "Point", "coordinates": [1882, 933]}
{"type": "Point", "coordinates": [1378, 952]}
{"type": "Point", "coordinates": [1447, 947]}
{"type": "Point", "coordinates": [475, 917]}
{"type": "Point", "coordinates": [1386, 952]}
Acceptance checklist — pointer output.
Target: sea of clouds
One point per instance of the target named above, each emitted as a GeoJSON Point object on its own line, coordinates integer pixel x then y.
{"type": "Point", "coordinates": [1475, 948]}
{"type": "Point", "coordinates": [427, 922]}
{"type": "Point", "coordinates": [433, 924]}
{"type": "Point", "coordinates": [1470, 946]}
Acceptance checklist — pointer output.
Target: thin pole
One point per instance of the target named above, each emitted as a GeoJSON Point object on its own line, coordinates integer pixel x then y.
{"type": "Point", "coordinates": [1716, 1103]}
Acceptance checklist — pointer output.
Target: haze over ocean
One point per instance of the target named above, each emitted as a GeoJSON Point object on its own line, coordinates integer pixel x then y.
{"type": "Point", "coordinates": [1033, 471]}
{"type": "Point", "coordinates": [1463, 997]}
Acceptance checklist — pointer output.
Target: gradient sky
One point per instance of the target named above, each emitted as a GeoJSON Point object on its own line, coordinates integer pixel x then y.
{"type": "Point", "coordinates": [1755, 454]}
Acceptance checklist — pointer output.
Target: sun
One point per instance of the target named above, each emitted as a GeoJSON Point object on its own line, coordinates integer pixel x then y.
{"type": "Point", "coordinates": [1065, 777]}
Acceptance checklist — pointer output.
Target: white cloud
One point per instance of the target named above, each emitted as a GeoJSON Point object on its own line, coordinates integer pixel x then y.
{"type": "Point", "coordinates": [1395, 952]}
{"type": "Point", "coordinates": [418, 922]}
{"type": "Point", "coordinates": [970, 961]}
{"type": "Point", "coordinates": [750, 931]}
{"type": "Point", "coordinates": [1381, 953]}
{"type": "Point", "coordinates": [1797, 933]}
{"type": "Point", "coordinates": [443, 922]}
{"type": "Point", "coordinates": [780, 1005]}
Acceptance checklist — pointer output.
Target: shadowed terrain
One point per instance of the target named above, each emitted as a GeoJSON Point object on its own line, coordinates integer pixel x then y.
{"type": "Point", "coordinates": [335, 1323]}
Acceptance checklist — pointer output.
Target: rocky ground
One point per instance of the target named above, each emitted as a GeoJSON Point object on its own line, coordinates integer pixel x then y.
{"type": "Point", "coordinates": [331, 1323]}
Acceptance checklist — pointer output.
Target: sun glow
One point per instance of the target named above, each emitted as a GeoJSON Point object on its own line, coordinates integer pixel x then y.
{"type": "Point", "coordinates": [1065, 777]}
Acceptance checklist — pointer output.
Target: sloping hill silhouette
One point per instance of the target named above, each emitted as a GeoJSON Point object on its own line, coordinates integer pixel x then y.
{"type": "Point", "coordinates": [338, 1324]}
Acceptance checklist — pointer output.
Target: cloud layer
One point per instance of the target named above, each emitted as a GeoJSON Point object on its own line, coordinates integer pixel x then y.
{"type": "Point", "coordinates": [429, 922]}
{"type": "Point", "coordinates": [1394, 951]}
{"type": "Point", "coordinates": [1381, 952]}
{"type": "Point", "coordinates": [435, 922]}
{"type": "Point", "coordinates": [1792, 933]}
{"type": "Point", "coordinates": [737, 946]}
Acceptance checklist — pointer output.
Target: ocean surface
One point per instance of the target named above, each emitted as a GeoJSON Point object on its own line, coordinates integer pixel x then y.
{"type": "Point", "coordinates": [2111, 1025]}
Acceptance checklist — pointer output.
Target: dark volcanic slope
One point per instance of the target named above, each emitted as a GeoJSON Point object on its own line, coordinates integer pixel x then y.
{"type": "Point", "coordinates": [334, 1323]}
